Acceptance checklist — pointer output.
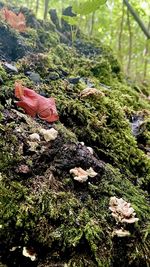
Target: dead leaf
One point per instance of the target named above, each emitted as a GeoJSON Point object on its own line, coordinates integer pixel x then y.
{"type": "Point", "coordinates": [34, 103]}
{"type": "Point", "coordinates": [17, 22]}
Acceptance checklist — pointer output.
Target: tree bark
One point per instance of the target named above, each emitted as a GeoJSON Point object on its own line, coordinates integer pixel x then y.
{"type": "Point", "coordinates": [92, 23]}
{"type": "Point", "coordinates": [37, 7]}
{"type": "Point", "coordinates": [120, 35]}
{"type": "Point", "coordinates": [46, 9]}
{"type": "Point", "coordinates": [146, 54]}
{"type": "Point", "coordinates": [137, 19]}
{"type": "Point", "coordinates": [130, 43]}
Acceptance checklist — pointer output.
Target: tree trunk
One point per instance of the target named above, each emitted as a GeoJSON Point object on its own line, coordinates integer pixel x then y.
{"type": "Point", "coordinates": [137, 19]}
{"type": "Point", "coordinates": [37, 7]}
{"type": "Point", "coordinates": [92, 23]}
{"type": "Point", "coordinates": [146, 52]}
{"type": "Point", "coordinates": [120, 34]}
{"type": "Point", "coordinates": [46, 9]}
{"type": "Point", "coordinates": [130, 43]}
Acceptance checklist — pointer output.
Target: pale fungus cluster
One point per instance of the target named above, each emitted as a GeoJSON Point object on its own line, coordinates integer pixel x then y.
{"type": "Point", "coordinates": [88, 147]}
{"type": "Point", "coordinates": [47, 135]}
{"type": "Point", "coordinates": [26, 252]}
{"type": "Point", "coordinates": [123, 213]}
{"type": "Point", "coordinates": [122, 210]}
{"type": "Point", "coordinates": [81, 175]}
{"type": "Point", "coordinates": [34, 137]}
{"type": "Point", "coordinates": [29, 253]}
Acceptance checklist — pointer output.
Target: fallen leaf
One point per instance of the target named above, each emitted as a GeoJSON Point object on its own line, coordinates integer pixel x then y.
{"type": "Point", "coordinates": [17, 22]}
{"type": "Point", "coordinates": [35, 104]}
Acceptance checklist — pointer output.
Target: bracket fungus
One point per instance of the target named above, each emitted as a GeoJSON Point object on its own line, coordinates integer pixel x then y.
{"type": "Point", "coordinates": [49, 135]}
{"type": "Point", "coordinates": [82, 175]}
{"type": "Point", "coordinates": [34, 137]}
{"type": "Point", "coordinates": [122, 210]}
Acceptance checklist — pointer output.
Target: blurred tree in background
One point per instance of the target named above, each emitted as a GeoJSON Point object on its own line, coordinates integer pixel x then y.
{"type": "Point", "coordinates": [112, 23]}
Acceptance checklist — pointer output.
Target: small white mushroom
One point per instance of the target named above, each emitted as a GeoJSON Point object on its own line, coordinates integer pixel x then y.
{"type": "Point", "coordinates": [91, 172]}
{"type": "Point", "coordinates": [14, 248]}
{"type": "Point", "coordinates": [26, 252]}
{"type": "Point", "coordinates": [34, 137]}
{"type": "Point", "coordinates": [49, 135]}
{"type": "Point", "coordinates": [82, 175]}
{"type": "Point", "coordinates": [33, 145]}
{"type": "Point", "coordinates": [82, 143]}
{"type": "Point", "coordinates": [122, 210]}
{"type": "Point", "coordinates": [121, 232]}
{"type": "Point", "coordinates": [90, 149]}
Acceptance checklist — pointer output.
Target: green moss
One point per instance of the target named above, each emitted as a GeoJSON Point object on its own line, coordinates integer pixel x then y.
{"type": "Point", "coordinates": [60, 219]}
{"type": "Point", "coordinates": [3, 73]}
{"type": "Point", "coordinates": [9, 156]}
{"type": "Point", "coordinates": [102, 71]}
{"type": "Point", "coordinates": [31, 38]}
{"type": "Point", "coordinates": [48, 39]}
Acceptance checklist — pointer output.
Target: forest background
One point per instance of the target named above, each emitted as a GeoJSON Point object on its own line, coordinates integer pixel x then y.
{"type": "Point", "coordinates": [111, 22]}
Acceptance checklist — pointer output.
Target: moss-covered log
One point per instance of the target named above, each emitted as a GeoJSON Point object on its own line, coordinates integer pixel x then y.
{"type": "Point", "coordinates": [59, 220]}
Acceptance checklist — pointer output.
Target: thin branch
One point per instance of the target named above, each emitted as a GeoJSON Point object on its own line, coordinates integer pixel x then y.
{"type": "Point", "coordinates": [137, 19]}
{"type": "Point", "coordinates": [130, 42]}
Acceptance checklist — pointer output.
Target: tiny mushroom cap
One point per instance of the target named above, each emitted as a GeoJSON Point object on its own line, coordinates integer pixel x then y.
{"type": "Point", "coordinates": [120, 233]}
{"type": "Point", "coordinates": [33, 146]}
{"type": "Point", "coordinates": [80, 174]}
{"type": "Point", "coordinates": [49, 135]}
{"type": "Point", "coordinates": [91, 172]}
{"type": "Point", "coordinates": [14, 248]}
{"type": "Point", "coordinates": [34, 137]}
{"type": "Point", "coordinates": [90, 149]}
{"type": "Point", "coordinates": [23, 168]}
{"type": "Point", "coordinates": [82, 143]}
{"type": "Point", "coordinates": [27, 253]}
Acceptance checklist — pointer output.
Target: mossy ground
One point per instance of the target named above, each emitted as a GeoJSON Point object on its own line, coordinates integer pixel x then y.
{"type": "Point", "coordinates": [69, 224]}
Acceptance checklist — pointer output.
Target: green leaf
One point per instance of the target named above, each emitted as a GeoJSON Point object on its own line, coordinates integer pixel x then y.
{"type": "Point", "coordinates": [87, 7]}
{"type": "Point", "coordinates": [71, 20]}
